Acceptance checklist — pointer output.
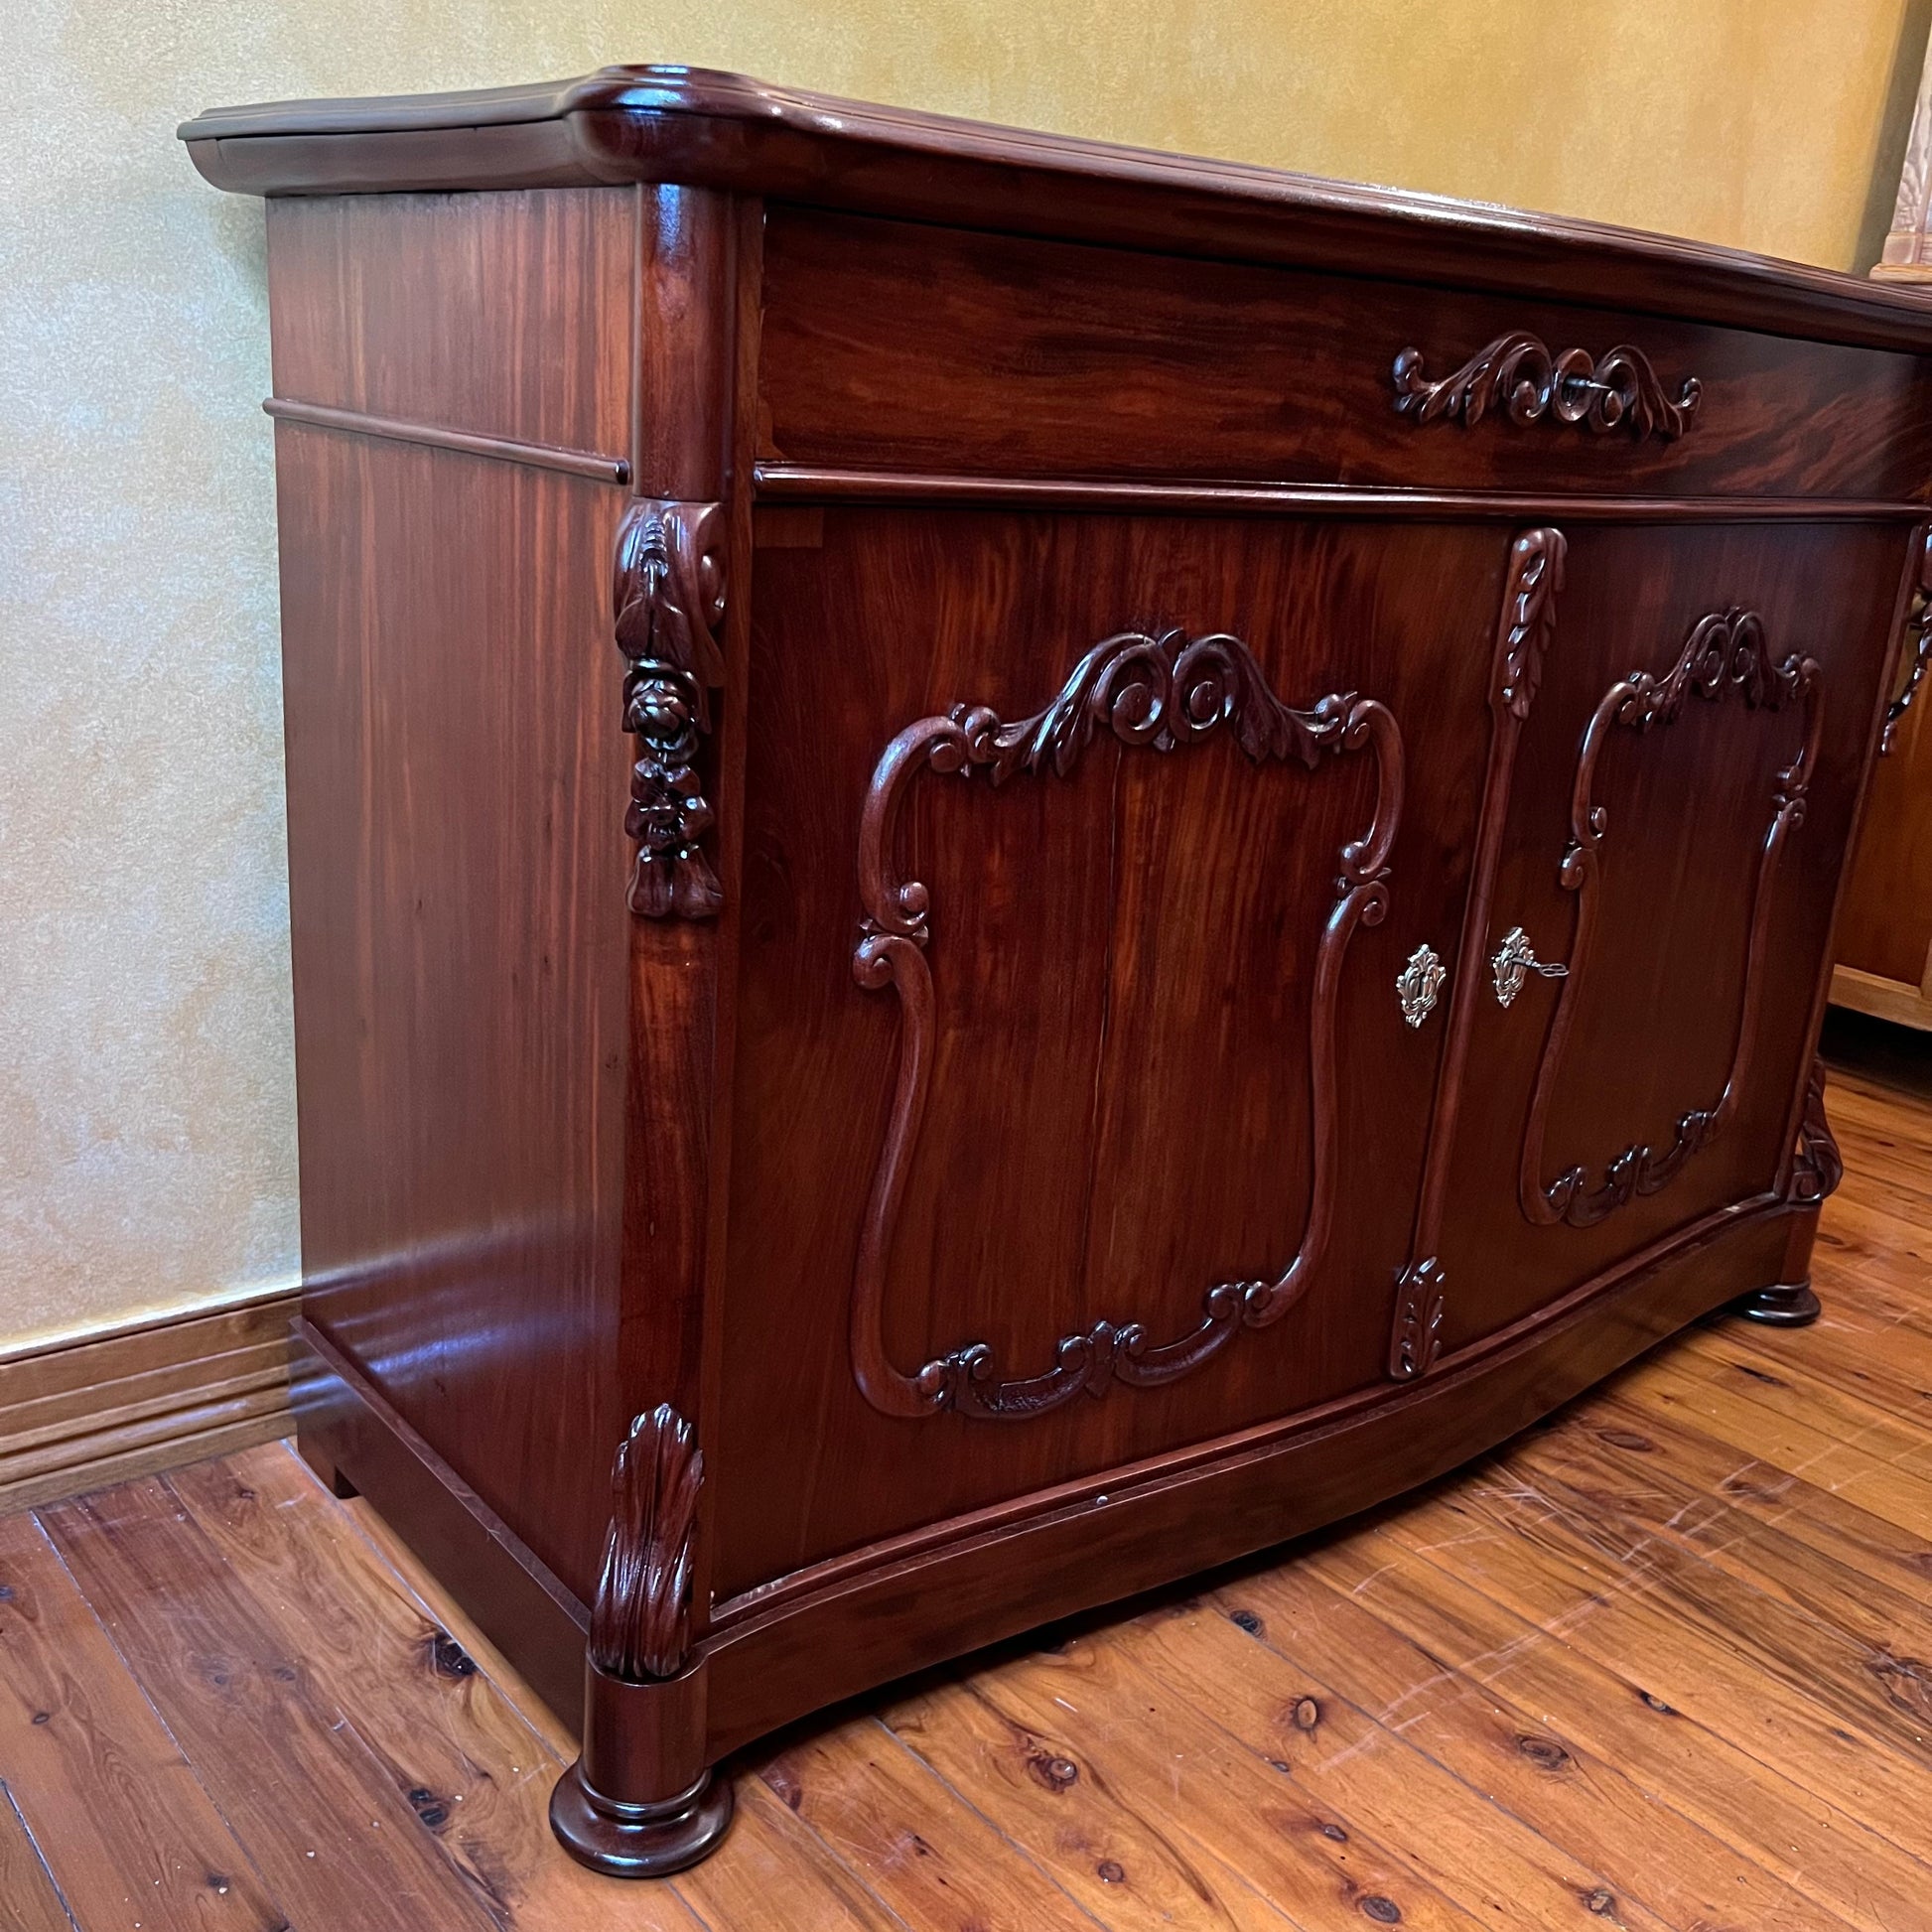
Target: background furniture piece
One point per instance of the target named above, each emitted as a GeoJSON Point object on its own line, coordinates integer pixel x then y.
{"type": "Point", "coordinates": [1024, 863]}
{"type": "Point", "coordinates": [1884, 932]}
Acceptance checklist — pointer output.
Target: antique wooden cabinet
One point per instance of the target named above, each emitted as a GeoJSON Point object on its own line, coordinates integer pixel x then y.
{"type": "Point", "coordinates": [1024, 864]}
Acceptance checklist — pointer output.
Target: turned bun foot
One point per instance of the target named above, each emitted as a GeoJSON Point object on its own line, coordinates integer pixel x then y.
{"type": "Point", "coordinates": [1788, 1305]}
{"type": "Point", "coordinates": [638, 1841]}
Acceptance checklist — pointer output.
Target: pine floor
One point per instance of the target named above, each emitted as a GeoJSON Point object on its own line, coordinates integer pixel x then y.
{"type": "Point", "coordinates": [1661, 1663]}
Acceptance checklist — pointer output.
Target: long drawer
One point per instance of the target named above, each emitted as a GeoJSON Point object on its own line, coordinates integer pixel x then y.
{"type": "Point", "coordinates": [916, 348]}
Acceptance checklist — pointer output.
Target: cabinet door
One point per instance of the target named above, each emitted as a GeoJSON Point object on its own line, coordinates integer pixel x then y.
{"type": "Point", "coordinates": [1677, 755]}
{"type": "Point", "coordinates": [1077, 1119]}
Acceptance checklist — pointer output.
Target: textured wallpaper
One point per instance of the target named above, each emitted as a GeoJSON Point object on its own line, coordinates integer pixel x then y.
{"type": "Point", "coordinates": [147, 1121]}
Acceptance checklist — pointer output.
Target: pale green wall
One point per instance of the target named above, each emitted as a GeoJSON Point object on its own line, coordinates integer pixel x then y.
{"type": "Point", "coordinates": [147, 1144]}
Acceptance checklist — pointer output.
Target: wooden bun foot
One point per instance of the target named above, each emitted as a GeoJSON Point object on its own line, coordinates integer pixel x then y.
{"type": "Point", "coordinates": [1788, 1305]}
{"type": "Point", "coordinates": [638, 1841]}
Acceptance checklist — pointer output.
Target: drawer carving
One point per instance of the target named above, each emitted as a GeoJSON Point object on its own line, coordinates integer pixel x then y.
{"type": "Point", "coordinates": [669, 600]}
{"type": "Point", "coordinates": [1162, 691]}
{"type": "Point", "coordinates": [1519, 376]}
{"type": "Point", "coordinates": [1725, 652]}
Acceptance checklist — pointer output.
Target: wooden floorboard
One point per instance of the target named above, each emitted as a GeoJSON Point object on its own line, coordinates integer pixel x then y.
{"type": "Point", "coordinates": [1662, 1664]}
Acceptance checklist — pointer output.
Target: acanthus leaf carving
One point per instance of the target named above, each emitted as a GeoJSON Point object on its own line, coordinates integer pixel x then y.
{"type": "Point", "coordinates": [1529, 618]}
{"type": "Point", "coordinates": [670, 603]}
{"type": "Point", "coordinates": [1417, 1338]}
{"type": "Point", "coordinates": [1161, 690]}
{"type": "Point", "coordinates": [1518, 374]}
{"type": "Point", "coordinates": [1725, 652]}
{"type": "Point", "coordinates": [1819, 1166]}
{"type": "Point", "coordinates": [1525, 629]}
{"type": "Point", "coordinates": [641, 1619]}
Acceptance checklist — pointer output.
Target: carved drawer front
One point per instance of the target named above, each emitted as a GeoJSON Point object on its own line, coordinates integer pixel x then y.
{"type": "Point", "coordinates": [908, 347]}
{"type": "Point", "coordinates": [1098, 895]}
{"type": "Point", "coordinates": [1673, 791]}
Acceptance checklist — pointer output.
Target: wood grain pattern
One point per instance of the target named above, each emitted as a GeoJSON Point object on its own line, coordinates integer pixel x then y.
{"type": "Point", "coordinates": [1475, 1851]}
{"type": "Point", "coordinates": [93, 1773]}
{"type": "Point", "coordinates": [454, 312]}
{"type": "Point", "coordinates": [1677, 1630]}
{"type": "Point", "coordinates": [1645, 1852]}
{"type": "Point", "coordinates": [460, 1037]}
{"type": "Point", "coordinates": [861, 1790]}
{"type": "Point", "coordinates": [470, 1764]}
{"type": "Point", "coordinates": [1108, 1843]}
{"type": "Point", "coordinates": [33, 1902]}
{"type": "Point", "coordinates": [324, 1816]}
{"type": "Point", "coordinates": [1714, 1774]}
{"type": "Point", "coordinates": [1222, 1806]}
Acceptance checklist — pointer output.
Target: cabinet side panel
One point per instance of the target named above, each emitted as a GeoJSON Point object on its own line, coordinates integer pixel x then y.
{"type": "Point", "coordinates": [457, 777]}
{"type": "Point", "coordinates": [501, 315]}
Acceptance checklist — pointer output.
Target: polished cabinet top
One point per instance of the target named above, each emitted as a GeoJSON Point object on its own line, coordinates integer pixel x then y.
{"type": "Point", "coordinates": [700, 127]}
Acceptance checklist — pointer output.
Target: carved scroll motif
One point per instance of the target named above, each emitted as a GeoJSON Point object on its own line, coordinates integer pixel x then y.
{"type": "Point", "coordinates": [640, 1622]}
{"type": "Point", "coordinates": [1518, 374]}
{"type": "Point", "coordinates": [1161, 691]}
{"type": "Point", "coordinates": [1819, 1167]}
{"type": "Point", "coordinates": [1725, 652]}
{"type": "Point", "coordinates": [669, 600]}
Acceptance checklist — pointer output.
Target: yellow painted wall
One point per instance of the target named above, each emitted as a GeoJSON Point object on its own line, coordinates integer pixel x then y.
{"type": "Point", "coordinates": [147, 1143]}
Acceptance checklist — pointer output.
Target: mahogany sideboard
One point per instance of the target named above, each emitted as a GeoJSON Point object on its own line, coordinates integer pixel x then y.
{"type": "Point", "coordinates": [1015, 864]}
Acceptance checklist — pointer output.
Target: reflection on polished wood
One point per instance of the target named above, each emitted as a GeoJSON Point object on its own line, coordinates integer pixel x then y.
{"type": "Point", "coordinates": [1657, 1663]}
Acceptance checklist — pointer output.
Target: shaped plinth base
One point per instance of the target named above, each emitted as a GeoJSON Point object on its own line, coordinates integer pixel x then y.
{"type": "Point", "coordinates": [1788, 1305]}
{"type": "Point", "coordinates": [638, 1841]}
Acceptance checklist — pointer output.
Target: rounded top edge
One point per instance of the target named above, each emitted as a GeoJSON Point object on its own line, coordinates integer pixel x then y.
{"type": "Point", "coordinates": [670, 122]}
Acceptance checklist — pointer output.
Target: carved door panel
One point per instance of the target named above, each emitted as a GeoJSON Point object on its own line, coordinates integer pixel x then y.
{"type": "Point", "coordinates": [1669, 800]}
{"type": "Point", "coordinates": [1099, 875]}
